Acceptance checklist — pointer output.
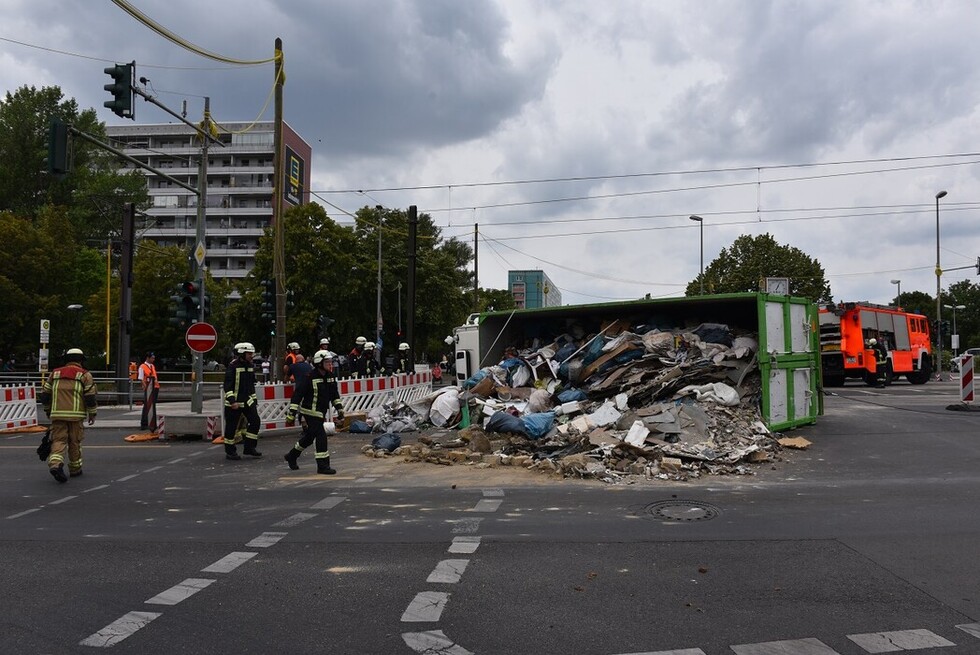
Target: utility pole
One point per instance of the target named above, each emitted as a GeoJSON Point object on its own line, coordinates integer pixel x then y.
{"type": "Point", "coordinates": [476, 267]}
{"type": "Point", "coordinates": [279, 252]}
{"type": "Point", "coordinates": [200, 251]}
{"type": "Point", "coordinates": [413, 228]}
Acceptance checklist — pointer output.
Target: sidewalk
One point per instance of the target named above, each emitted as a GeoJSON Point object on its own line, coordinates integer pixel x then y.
{"type": "Point", "coordinates": [123, 417]}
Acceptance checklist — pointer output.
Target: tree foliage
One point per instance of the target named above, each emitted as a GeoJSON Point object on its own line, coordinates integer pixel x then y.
{"type": "Point", "coordinates": [749, 260]}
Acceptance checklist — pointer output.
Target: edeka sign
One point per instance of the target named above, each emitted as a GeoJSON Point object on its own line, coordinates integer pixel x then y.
{"type": "Point", "coordinates": [293, 175]}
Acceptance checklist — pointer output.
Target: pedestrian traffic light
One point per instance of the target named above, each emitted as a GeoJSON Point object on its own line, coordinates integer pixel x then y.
{"type": "Point", "coordinates": [58, 148]}
{"type": "Point", "coordinates": [945, 327]}
{"type": "Point", "coordinates": [269, 299]}
{"type": "Point", "coordinates": [121, 90]}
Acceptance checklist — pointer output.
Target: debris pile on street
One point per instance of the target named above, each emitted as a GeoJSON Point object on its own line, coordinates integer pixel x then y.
{"type": "Point", "coordinates": [668, 404]}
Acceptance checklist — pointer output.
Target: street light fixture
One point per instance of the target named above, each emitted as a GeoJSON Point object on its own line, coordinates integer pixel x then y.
{"type": "Point", "coordinates": [75, 309]}
{"type": "Point", "coordinates": [898, 299]}
{"type": "Point", "coordinates": [700, 222]}
{"type": "Point", "coordinates": [939, 302]}
{"type": "Point", "coordinates": [954, 346]}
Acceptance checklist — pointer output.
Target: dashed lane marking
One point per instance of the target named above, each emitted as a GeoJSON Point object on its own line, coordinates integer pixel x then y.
{"type": "Point", "coordinates": [809, 646]}
{"type": "Point", "coordinates": [329, 502]}
{"type": "Point", "coordinates": [427, 606]}
{"type": "Point", "coordinates": [229, 562]}
{"type": "Point", "coordinates": [266, 539]}
{"type": "Point", "coordinates": [128, 477]}
{"type": "Point", "coordinates": [971, 629]}
{"type": "Point", "coordinates": [119, 629]}
{"type": "Point", "coordinates": [889, 642]}
{"type": "Point", "coordinates": [493, 492]}
{"type": "Point", "coordinates": [682, 651]}
{"type": "Point", "coordinates": [487, 506]}
{"type": "Point", "coordinates": [465, 526]}
{"type": "Point", "coordinates": [448, 571]}
{"type": "Point", "coordinates": [180, 592]}
{"type": "Point", "coordinates": [62, 500]}
{"type": "Point", "coordinates": [24, 513]}
{"type": "Point", "coordinates": [433, 642]}
{"type": "Point", "coordinates": [101, 486]}
{"type": "Point", "coordinates": [293, 520]}
{"type": "Point", "coordinates": [464, 545]}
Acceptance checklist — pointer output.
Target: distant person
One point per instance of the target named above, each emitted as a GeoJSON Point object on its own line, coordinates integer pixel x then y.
{"type": "Point", "coordinates": [292, 350]}
{"type": "Point", "coordinates": [404, 363]}
{"type": "Point", "coordinates": [68, 398]}
{"type": "Point", "coordinates": [241, 402]}
{"type": "Point", "coordinates": [366, 365]}
{"type": "Point", "coordinates": [266, 369]}
{"type": "Point", "coordinates": [881, 362]}
{"type": "Point", "coordinates": [300, 369]}
{"type": "Point", "coordinates": [147, 375]}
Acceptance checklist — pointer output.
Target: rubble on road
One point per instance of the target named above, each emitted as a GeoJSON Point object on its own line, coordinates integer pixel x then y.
{"type": "Point", "coordinates": [625, 403]}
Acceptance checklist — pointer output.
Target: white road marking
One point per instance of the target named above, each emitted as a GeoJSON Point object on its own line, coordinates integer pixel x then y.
{"type": "Point", "coordinates": [295, 519]}
{"type": "Point", "coordinates": [174, 461]}
{"type": "Point", "coordinates": [465, 526]}
{"type": "Point", "coordinates": [180, 592]}
{"type": "Point", "coordinates": [229, 562]}
{"type": "Point", "coordinates": [62, 500]}
{"type": "Point", "coordinates": [426, 606]}
{"type": "Point", "coordinates": [119, 629]}
{"type": "Point", "coordinates": [682, 651]}
{"type": "Point", "coordinates": [448, 571]}
{"type": "Point", "coordinates": [889, 642]}
{"type": "Point", "coordinates": [101, 486]}
{"type": "Point", "coordinates": [24, 513]}
{"type": "Point", "coordinates": [151, 470]}
{"type": "Point", "coordinates": [365, 479]}
{"type": "Point", "coordinates": [128, 477]}
{"type": "Point", "coordinates": [329, 502]}
{"type": "Point", "coordinates": [464, 544]}
{"type": "Point", "coordinates": [266, 539]}
{"type": "Point", "coordinates": [493, 492]}
{"type": "Point", "coordinates": [487, 506]}
{"type": "Point", "coordinates": [809, 646]}
{"type": "Point", "coordinates": [971, 629]}
{"type": "Point", "coordinates": [433, 642]}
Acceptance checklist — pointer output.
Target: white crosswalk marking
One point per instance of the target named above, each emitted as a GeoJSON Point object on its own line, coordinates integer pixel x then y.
{"type": "Point", "coordinates": [295, 519]}
{"type": "Point", "coordinates": [266, 539]}
{"type": "Point", "coordinates": [433, 642]}
{"type": "Point", "coordinates": [426, 606]}
{"type": "Point", "coordinates": [889, 642]}
{"type": "Point", "coordinates": [229, 562]}
{"type": "Point", "coordinates": [971, 629]}
{"type": "Point", "coordinates": [448, 571]}
{"type": "Point", "coordinates": [487, 505]}
{"type": "Point", "coordinates": [809, 646]}
{"type": "Point", "coordinates": [464, 545]}
{"type": "Point", "coordinates": [329, 502]}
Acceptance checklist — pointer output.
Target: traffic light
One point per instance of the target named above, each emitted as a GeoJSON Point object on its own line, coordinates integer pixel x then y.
{"type": "Point", "coordinates": [121, 90]}
{"type": "Point", "coordinates": [187, 304]}
{"type": "Point", "coordinates": [323, 324]}
{"type": "Point", "coordinates": [269, 299]}
{"type": "Point", "coordinates": [58, 148]}
{"type": "Point", "coordinates": [945, 328]}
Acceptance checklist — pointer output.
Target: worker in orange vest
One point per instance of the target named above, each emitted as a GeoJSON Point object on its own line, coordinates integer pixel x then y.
{"type": "Point", "coordinates": [151, 389]}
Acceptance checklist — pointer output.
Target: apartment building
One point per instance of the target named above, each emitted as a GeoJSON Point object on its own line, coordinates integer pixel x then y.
{"type": "Point", "coordinates": [532, 289]}
{"type": "Point", "coordinates": [240, 187]}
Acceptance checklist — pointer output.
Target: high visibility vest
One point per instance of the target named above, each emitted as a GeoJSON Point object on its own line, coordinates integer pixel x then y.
{"type": "Point", "coordinates": [133, 371]}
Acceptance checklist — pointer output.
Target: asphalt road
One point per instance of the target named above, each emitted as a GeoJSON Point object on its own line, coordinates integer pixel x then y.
{"type": "Point", "coordinates": [865, 542]}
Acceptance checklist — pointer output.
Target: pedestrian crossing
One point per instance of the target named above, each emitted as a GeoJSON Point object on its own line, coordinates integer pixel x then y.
{"type": "Point", "coordinates": [871, 642]}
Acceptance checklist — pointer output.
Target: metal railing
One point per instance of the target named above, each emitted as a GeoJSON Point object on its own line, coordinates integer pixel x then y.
{"type": "Point", "coordinates": [174, 385]}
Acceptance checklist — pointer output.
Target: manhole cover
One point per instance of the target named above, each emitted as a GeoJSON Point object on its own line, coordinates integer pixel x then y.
{"type": "Point", "coordinates": [682, 510]}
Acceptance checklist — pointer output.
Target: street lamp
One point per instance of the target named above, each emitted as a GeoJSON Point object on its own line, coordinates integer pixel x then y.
{"type": "Point", "coordinates": [939, 302]}
{"type": "Point", "coordinates": [377, 339]}
{"type": "Point", "coordinates": [75, 309]}
{"type": "Point", "coordinates": [700, 222]}
{"type": "Point", "coordinates": [954, 346]}
{"type": "Point", "coordinates": [898, 299]}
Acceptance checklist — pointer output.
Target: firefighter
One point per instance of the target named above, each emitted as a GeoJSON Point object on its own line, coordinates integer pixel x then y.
{"type": "Point", "coordinates": [404, 364]}
{"type": "Point", "coordinates": [881, 362]}
{"type": "Point", "coordinates": [240, 401]}
{"type": "Point", "coordinates": [356, 353]}
{"type": "Point", "coordinates": [312, 400]}
{"type": "Point", "coordinates": [366, 365]}
{"type": "Point", "coordinates": [292, 350]}
{"type": "Point", "coordinates": [68, 397]}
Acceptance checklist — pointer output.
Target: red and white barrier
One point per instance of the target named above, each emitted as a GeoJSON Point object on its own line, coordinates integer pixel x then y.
{"type": "Point", "coordinates": [361, 395]}
{"type": "Point", "coordinates": [18, 407]}
{"type": "Point", "coordinates": [966, 379]}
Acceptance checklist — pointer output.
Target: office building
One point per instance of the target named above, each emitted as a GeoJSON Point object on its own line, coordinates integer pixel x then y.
{"type": "Point", "coordinates": [532, 289]}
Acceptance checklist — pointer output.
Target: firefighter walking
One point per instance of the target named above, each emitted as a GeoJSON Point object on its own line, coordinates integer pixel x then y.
{"type": "Point", "coordinates": [241, 403]}
{"type": "Point", "coordinates": [313, 398]}
{"type": "Point", "coordinates": [881, 362]}
{"type": "Point", "coordinates": [68, 397]}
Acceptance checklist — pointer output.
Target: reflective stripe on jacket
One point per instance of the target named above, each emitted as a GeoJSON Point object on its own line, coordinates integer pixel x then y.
{"type": "Point", "coordinates": [68, 394]}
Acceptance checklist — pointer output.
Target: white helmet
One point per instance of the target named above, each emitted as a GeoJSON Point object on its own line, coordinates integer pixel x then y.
{"type": "Point", "coordinates": [75, 351]}
{"type": "Point", "coordinates": [360, 341]}
{"type": "Point", "coordinates": [321, 355]}
{"type": "Point", "coordinates": [403, 346]}
{"type": "Point", "coordinates": [325, 341]}
{"type": "Point", "coordinates": [244, 347]}
{"type": "Point", "coordinates": [293, 345]}
{"type": "Point", "coordinates": [369, 345]}
{"type": "Point", "coordinates": [872, 342]}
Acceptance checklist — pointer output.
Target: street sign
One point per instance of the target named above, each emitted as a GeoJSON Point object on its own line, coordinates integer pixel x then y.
{"type": "Point", "coordinates": [201, 337]}
{"type": "Point", "coordinates": [45, 330]}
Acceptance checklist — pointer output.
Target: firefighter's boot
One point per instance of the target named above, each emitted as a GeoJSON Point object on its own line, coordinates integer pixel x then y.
{"type": "Point", "coordinates": [231, 452]}
{"type": "Point", "coordinates": [323, 466]}
{"type": "Point", "coordinates": [291, 458]}
{"type": "Point", "coordinates": [58, 473]}
{"type": "Point", "coordinates": [250, 447]}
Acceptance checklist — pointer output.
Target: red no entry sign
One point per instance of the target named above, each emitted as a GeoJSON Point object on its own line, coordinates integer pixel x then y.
{"type": "Point", "coordinates": [201, 337]}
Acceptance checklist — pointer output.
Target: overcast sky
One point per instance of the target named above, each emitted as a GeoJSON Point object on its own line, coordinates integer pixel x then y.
{"type": "Point", "coordinates": [753, 114]}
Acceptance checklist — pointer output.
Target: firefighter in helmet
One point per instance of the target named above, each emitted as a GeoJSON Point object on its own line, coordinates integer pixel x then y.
{"type": "Point", "coordinates": [68, 397]}
{"type": "Point", "coordinates": [313, 398]}
{"type": "Point", "coordinates": [881, 362]}
{"type": "Point", "coordinates": [405, 364]}
{"type": "Point", "coordinates": [292, 351]}
{"type": "Point", "coordinates": [366, 365]}
{"type": "Point", "coordinates": [241, 402]}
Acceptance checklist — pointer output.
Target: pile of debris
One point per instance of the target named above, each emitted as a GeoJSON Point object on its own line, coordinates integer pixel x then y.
{"type": "Point", "coordinates": [671, 404]}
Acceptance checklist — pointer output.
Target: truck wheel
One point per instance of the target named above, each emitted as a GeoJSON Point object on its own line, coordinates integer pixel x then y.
{"type": "Point", "coordinates": [922, 375]}
{"type": "Point", "coordinates": [833, 380]}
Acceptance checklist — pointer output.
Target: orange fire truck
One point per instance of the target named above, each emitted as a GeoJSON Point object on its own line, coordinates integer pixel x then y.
{"type": "Point", "coordinates": [845, 330]}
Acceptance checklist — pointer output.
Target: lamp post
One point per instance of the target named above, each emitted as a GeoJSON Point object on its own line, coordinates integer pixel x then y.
{"type": "Point", "coordinates": [700, 222]}
{"type": "Point", "coordinates": [954, 346]}
{"type": "Point", "coordinates": [898, 299]}
{"type": "Point", "coordinates": [75, 310]}
{"type": "Point", "coordinates": [377, 339]}
{"type": "Point", "coordinates": [939, 302]}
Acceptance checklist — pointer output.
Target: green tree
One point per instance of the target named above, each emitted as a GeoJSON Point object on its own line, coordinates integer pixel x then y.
{"type": "Point", "coordinates": [495, 300]}
{"type": "Point", "coordinates": [749, 260]}
{"type": "Point", "coordinates": [968, 319]}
